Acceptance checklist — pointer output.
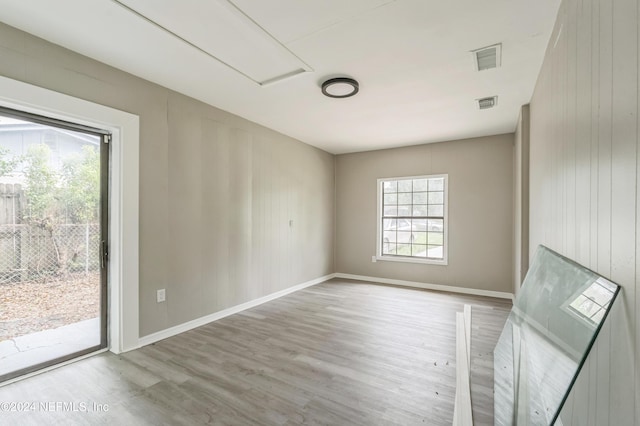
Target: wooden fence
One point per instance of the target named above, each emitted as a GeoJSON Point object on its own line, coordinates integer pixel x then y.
{"type": "Point", "coordinates": [12, 204]}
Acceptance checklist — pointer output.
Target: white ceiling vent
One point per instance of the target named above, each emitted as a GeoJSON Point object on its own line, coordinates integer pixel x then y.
{"type": "Point", "coordinates": [487, 57]}
{"type": "Point", "coordinates": [486, 103]}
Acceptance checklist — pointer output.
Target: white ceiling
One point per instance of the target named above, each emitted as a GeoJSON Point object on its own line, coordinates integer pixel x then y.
{"type": "Point", "coordinates": [411, 57]}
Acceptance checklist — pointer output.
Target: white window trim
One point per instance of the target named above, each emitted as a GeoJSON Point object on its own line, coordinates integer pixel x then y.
{"type": "Point", "coordinates": [124, 198]}
{"type": "Point", "coordinates": [380, 256]}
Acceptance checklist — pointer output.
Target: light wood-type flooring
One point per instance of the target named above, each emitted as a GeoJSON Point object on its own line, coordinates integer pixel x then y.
{"type": "Point", "coordinates": [337, 353]}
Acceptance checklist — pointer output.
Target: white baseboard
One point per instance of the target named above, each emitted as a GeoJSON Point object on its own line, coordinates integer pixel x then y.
{"type": "Point", "coordinates": [169, 332]}
{"type": "Point", "coordinates": [181, 328]}
{"type": "Point", "coordinates": [426, 286]}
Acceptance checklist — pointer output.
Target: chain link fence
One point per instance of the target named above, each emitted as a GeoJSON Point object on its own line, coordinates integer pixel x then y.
{"type": "Point", "coordinates": [29, 252]}
{"type": "Point", "coordinates": [35, 251]}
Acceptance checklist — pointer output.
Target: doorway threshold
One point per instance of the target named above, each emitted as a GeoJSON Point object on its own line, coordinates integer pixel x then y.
{"type": "Point", "coordinates": [45, 346]}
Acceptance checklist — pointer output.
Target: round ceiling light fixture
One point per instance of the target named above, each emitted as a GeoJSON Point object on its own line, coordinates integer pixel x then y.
{"type": "Point", "coordinates": [341, 87]}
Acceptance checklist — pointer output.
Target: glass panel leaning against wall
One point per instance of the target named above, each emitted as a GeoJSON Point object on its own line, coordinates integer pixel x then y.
{"type": "Point", "coordinates": [412, 222]}
{"type": "Point", "coordinates": [551, 328]}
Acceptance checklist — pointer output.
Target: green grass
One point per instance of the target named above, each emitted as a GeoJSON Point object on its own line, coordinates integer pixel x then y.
{"type": "Point", "coordinates": [423, 239]}
{"type": "Point", "coordinates": [432, 238]}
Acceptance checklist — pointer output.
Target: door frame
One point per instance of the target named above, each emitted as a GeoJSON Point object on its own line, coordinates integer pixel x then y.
{"type": "Point", "coordinates": [104, 152]}
{"type": "Point", "coordinates": [123, 282]}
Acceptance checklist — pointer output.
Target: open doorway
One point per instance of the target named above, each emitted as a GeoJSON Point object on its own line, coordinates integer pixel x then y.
{"type": "Point", "coordinates": [54, 180]}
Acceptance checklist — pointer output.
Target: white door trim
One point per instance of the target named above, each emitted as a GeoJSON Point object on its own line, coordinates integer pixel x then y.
{"type": "Point", "coordinates": [124, 187]}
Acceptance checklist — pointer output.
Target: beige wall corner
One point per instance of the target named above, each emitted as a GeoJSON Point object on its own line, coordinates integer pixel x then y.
{"type": "Point", "coordinates": [480, 211]}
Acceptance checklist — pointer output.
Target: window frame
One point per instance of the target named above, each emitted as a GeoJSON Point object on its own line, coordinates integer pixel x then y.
{"type": "Point", "coordinates": [379, 218]}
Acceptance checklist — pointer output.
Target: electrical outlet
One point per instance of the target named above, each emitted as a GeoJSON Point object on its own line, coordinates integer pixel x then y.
{"type": "Point", "coordinates": [374, 259]}
{"type": "Point", "coordinates": [161, 296]}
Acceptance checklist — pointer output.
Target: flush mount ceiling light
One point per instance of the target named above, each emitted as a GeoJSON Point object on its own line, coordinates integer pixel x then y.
{"type": "Point", "coordinates": [341, 87]}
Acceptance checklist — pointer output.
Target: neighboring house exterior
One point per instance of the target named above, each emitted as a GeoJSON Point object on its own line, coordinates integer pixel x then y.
{"type": "Point", "coordinates": [18, 136]}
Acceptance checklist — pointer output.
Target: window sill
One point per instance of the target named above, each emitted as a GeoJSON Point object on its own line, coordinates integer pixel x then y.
{"type": "Point", "coordinates": [412, 260]}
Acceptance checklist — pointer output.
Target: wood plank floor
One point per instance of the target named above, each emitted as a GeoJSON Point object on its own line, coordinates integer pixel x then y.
{"type": "Point", "coordinates": [338, 353]}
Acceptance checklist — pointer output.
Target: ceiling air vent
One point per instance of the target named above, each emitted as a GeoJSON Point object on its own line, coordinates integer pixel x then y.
{"type": "Point", "coordinates": [486, 103]}
{"type": "Point", "coordinates": [487, 57]}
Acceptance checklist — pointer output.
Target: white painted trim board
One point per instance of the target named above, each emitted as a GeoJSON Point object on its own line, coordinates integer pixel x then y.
{"type": "Point", "coordinates": [463, 413]}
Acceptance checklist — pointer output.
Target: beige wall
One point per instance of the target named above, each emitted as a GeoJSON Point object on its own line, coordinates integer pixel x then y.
{"type": "Point", "coordinates": [521, 199]}
{"type": "Point", "coordinates": [584, 194]}
{"type": "Point", "coordinates": [217, 192]}
{"type": "Point", "coordinates": [480, 211]}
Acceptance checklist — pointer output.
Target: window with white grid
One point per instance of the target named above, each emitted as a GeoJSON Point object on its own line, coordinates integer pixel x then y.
{"type": "Point", "coordinates": [412, 219]}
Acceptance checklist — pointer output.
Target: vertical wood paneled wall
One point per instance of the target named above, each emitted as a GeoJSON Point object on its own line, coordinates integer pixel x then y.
{"type": "Point", "coordinates": [584, 186]}
{"type": "Point", "coordinates": [250, 211]}
{"type": "Point", "coordinates": [217, 192]}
